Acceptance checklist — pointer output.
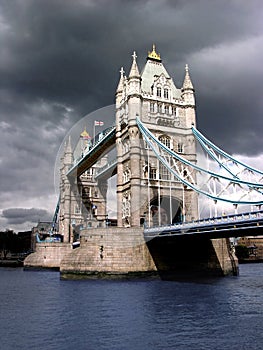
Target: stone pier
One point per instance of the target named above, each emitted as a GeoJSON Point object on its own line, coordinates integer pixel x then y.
{"type": "Point", "coordinates": [47, 255]}
{"type": "Point", "coordinates": [115, 252]}
{"type": "Point", "coordinates": [120, 252]}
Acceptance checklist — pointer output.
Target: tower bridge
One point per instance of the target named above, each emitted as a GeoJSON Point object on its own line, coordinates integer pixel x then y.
{"type": "Point", "coordinates": [159, 182]}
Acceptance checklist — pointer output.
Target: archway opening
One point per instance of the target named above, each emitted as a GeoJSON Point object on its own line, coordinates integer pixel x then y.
{"type": "Point", "coordinates": [165, 210]}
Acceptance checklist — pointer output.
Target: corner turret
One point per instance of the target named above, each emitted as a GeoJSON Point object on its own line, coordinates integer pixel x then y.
{"type": "Point", "coordinates": [134, 79]}
{"type": "Point", "coordinates": [188, 89]}
{"type": "Point", "coordinates": [120, 88]}
{"type": "Point", "coordinates": [68, 154]}
{"type": "Point", "coordinates": [134, 72]}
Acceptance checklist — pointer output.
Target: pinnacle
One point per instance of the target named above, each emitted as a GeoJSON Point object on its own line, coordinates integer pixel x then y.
{"type": "Point", "coordinates": [134, 72]}
{"type": "Point", "coordinates": [120, 85]}
{"type": "Point", "coordinates": [187, 85]}
{"type": "Point", "coordinates": [68, 148]}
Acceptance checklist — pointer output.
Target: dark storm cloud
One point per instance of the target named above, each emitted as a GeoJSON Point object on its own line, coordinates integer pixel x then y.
{"type": "Point", "coordinates": [60, 59]}
{"type": "Point", "coordinates": [73, 49]}
{"type": "Point", "coordinates": [22, 215]}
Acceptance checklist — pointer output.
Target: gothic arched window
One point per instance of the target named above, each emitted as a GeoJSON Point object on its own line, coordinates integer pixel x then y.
{"type": "Point", "coordinates": [165, 93]}
{"type": "Point", "coordinates": [165, 140]}
{"type": "Point", "coordinates": [159, 91]}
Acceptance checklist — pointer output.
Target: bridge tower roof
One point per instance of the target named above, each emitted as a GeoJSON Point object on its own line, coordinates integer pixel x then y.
{"type": "Point", "coordinates": [151, 72]}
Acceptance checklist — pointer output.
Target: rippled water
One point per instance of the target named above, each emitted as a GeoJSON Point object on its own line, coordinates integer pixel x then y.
{"type": "Point", "coordinates": [40, 311]}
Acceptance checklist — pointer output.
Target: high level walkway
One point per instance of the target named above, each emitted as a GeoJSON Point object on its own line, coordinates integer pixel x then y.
{"type": "Point", "coordinates": [103, 146]}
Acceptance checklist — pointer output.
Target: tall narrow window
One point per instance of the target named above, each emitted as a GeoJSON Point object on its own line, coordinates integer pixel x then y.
{"type": "Point", "coordinates": [77, 209]}
{"type": "Point", "coordinates": [152, 173]}
{"type": "Point", "coordinates": [159, 108]}
{"type": "Point", "coordinates": [165, 140]}
{"type": "Point", "coordinates": [165, 93]}
{"type": "Point", "coordinates": [180, 147]}
{"type": "Point", "coordinates": [152, 107]}
{"type": "Point", "coordinates": [166, 109]}
{"type": "Point", "coordinates": [164, 173]}
{"type": "Point", "coordinates": [159, 91]}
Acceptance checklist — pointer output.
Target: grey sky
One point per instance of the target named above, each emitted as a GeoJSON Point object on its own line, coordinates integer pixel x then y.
{"type": "Point", "coordinates": [60, 60]}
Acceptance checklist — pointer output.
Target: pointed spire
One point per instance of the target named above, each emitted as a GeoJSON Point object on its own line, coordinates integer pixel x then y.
{"type": "Point", "coordinates": [134, 72]}
{"type": "Point", "coordinates": [187, 85]}
{"type": "Point", "coordinates": [68, 148]}
{"type": "Point", "coordinates": [121, 81]}
{"type": "Point", "coordinates": [68, 154]}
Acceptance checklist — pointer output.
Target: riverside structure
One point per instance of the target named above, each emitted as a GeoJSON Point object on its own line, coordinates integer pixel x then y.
{"type": "Point", "coordinates": [151, 113]}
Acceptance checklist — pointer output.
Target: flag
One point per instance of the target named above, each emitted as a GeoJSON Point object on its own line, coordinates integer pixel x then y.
{"type": "Point", "coordinates": [98, 123]}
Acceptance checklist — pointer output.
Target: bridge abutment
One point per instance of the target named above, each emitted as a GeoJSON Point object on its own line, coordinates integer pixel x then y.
{"type": "Point", "coordinates": [47, 255]}
{"type": "Point", "coordinates": [109, 252]}
{"type": "Point", "coordinates": [123, 252]}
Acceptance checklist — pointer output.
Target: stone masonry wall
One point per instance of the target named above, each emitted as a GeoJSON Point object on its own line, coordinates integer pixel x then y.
{"type": "Point", "coordinates": [109, 251]}
{"type": "Point", "coordinates": [47, 255]}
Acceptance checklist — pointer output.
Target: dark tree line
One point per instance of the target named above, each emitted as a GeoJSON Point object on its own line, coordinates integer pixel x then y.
{"type": "Point", "coordinates": [14, 243]}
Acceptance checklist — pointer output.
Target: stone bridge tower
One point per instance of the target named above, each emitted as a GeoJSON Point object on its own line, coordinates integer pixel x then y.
{"type": "Point", "coordinates": [82, 198]}
{"type": "Point", "coordinates": [146, 193]}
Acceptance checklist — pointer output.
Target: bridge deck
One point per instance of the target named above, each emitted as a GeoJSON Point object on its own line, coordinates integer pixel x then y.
{"type": "Point", "coordinates": [100, 148]}
{"type": "Point", "coordinates": [107, 171]}
{"type": "Point", "coordinates": [247, 224]}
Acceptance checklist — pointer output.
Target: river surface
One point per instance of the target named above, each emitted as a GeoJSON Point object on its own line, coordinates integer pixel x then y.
{"type": "Point", "coordinates": [40, 311]}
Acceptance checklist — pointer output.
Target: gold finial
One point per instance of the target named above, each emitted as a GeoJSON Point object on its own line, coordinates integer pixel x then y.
{"type": "Point", "coordinates": [154, 54]}
{"type": "Point", "coordinates": [85, 134]}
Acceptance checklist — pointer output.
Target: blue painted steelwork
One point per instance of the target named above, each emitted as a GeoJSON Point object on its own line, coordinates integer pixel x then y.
{"type": "Point", "coordinates": [108, 167]}
{"type": "Point", "coordinates": [107, 137]}
{"type": "Point", "coordinates": [152, 142]}
{"type": "Point", "coordinates": [148, 135]}
{"type": "Point", "coordinates": [49, 239]}
{"type": "Point", "coordinates": [202, 139]}
{"type": "Point", "coordinates": [225, 226]}
{"type": "Point", "coordinates": [55, 217]}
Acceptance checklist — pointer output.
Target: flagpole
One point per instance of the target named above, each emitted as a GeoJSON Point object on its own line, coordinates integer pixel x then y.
{"type": "Point", "coordinates": [94, 126]}
{"type": "Point", "coordinates": [96, 123]}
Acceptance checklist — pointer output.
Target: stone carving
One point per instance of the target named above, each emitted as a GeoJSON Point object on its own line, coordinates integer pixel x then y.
{"type": "Point", "coordinates": [133, 132]}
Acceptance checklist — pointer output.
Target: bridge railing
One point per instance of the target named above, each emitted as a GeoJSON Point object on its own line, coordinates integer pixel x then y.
{"type": "Point", "coordinates": [101, 137]}
{"type": "Point", "coordinates": [106, 167]}
{"type": "Point", "coordinates": [248, 216]}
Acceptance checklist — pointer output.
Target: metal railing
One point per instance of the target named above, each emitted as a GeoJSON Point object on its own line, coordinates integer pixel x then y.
{"type": "Point", "coordinates": [226, 219]}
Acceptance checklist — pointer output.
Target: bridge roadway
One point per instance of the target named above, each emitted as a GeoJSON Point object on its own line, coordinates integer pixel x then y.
{"type": "Point", "coordinates": [103, 145]}
{"type": "Point", "coordinates": [239, 225]}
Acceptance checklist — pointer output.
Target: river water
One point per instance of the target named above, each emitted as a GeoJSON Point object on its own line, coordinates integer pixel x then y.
{"type": "Point", "coordinates": [40, 311]}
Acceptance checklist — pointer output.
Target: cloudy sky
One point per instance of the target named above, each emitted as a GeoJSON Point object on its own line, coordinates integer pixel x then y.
{"type": "Point", "coordinates": [60, 60]}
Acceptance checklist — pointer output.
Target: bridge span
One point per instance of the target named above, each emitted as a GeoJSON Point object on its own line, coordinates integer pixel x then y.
{"type": "Point", "coordinates": [238, 225]}
{"type": "Point", "coordinates": [101, 147]}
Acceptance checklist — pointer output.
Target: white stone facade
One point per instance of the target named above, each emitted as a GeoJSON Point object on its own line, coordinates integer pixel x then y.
{"type": "Point", "coordinates": [169, 113]}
